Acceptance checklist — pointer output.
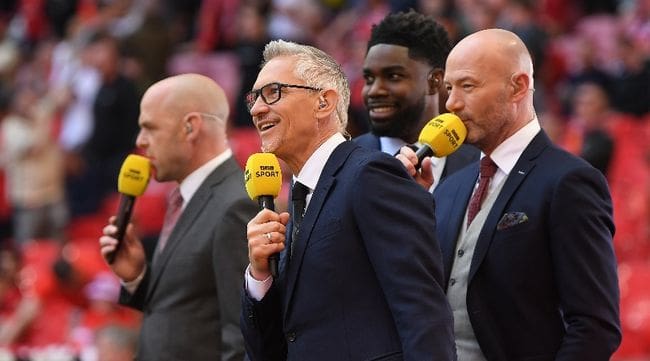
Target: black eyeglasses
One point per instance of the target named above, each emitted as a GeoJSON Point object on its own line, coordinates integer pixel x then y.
{"type": "Point", "coordinates": [271, 93]}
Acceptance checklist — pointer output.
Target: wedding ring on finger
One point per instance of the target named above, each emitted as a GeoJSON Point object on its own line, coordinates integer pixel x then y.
{"type": "Point", "coordinates": [268, 236]}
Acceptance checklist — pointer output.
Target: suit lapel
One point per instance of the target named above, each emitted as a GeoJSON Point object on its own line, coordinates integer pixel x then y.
{"type": "Point", "coordinates": [522, 168]}
{"type": "Point", "coordinates": [191, 212]}
{"type": "Point", "coordinates": [326, 183]}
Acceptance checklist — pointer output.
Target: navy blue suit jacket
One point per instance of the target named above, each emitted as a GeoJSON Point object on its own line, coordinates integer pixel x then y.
{"type": "Point", "coordinates": [365, 278]}
{"type": "Point", "coordinates": [542, 283]}
{"type": "Point", "coordinates": [463, 156]}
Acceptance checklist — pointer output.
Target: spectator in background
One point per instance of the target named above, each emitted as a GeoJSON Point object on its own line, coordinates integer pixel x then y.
{"type": "Point", "coordinates": [116, 343]}
{"type": "Point", "coordinates": [587, 134]}
{"type": "Point", "coordinates": [631, 85]}
{"type": "Point", "coordinates": [102, 293]}
{"type": "Point", "coordinates": [34, 166]}
{"type": "Point", "coordinates": [403, 89]}
{"type": "Point", "coordinates": [115, 114]}
{"type": "Point", "coordinates": [52, 282]}
{"type": "Point", "coordinates": [252, 37]}
{"type": "Point", "coordinates": [520, 17]}
{"type": "Point", "coordinates": [587, 70]}
{"type": "Point", "coordinates": [10, 263]}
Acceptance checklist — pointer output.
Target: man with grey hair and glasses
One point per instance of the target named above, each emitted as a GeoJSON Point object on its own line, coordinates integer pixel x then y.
{"type": "Point", "coordinates": [360, 270]}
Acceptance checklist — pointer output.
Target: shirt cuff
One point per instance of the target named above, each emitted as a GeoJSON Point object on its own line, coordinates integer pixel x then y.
{"type": "Point", "coordinates": [131, 286]}
{"type": "Point", "coordinates": [257, 289]}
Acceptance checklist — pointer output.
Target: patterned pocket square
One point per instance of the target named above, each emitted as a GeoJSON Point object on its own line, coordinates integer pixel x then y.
{"type": "Point", "coordinates": [511, 219]}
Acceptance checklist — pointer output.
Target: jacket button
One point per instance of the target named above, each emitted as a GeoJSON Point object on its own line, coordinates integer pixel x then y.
{"type": "Point", "coordinates": [291, 336]}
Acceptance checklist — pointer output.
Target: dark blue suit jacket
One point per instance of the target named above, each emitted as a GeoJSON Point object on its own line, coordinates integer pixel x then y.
{"type": "Point", "coordinates": [463, 156]}
{"type": "Point", "coordinates": [365, 278]}
{"type": "Point", "coordinates": [542, 283]}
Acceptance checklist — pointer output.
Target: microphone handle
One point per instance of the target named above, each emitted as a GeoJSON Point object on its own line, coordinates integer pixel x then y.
{"type": "Point", "coordinates": [123, 216]}
{"type": "Point", "coordinates": [424, 151]}
{"type": "Point", "coordinates": [267, 202]}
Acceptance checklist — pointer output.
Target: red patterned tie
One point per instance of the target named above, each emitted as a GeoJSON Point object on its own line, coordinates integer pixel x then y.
{"type": "Point", "coordinates": [174, 206]}
{"type": "Point", "coordinates": [488, 168]}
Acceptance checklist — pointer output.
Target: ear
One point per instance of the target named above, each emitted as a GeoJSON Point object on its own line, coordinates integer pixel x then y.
{"type": "Point", "coordinates": [325, 103]}
{"type": "Point", "coordinates": [434, 81]}
{"type": "Point", "coordinates": [191, 125]}
{"type": "Point", "coordinates": [520, 83]}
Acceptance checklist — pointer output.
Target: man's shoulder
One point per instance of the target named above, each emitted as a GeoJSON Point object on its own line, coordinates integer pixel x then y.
{"type": "Point", "coordinates": [367, 140]}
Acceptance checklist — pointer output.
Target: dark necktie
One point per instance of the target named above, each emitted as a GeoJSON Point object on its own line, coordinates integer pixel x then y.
{"type": "Point", "coordinates": [487, 171]}
{"type": "Point", "coordinates": [174, 206]}
{"type": "Point", "coordinates": [299, 193]}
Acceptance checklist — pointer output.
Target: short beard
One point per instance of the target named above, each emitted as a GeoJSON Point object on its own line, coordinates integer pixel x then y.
{"type": "Point", "coordinates": [402, 125]}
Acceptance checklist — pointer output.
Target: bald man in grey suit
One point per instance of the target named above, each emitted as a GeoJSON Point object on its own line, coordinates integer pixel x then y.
{"type": "Point", "coordinates": [190, 293]}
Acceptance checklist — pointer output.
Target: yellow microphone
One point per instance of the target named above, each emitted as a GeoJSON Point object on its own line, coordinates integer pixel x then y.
{"type": "Point", "coordinates": [263, 180]}
{"type": "Point", "coordinates": [441, 136]}
{"type": "Point", "coordinates": [131, 182]}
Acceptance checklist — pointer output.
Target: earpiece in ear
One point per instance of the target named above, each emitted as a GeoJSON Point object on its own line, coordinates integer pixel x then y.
{"type": "Point", "coordinates": [188, 128]}
{"type": "Point", "coordinates": [322, 103]}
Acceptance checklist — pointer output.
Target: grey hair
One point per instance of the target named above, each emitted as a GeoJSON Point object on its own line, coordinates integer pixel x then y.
{"type": "Point", "coordinates": [317, 69]}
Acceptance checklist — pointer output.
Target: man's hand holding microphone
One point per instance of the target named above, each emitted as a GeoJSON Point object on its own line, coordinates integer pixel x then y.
{"type": "Point", "coordinates": [119, 246]}
{"type": "Point", "coordinates": [440, 137]}
{"type": "Point", "coordinates": [266, 232]}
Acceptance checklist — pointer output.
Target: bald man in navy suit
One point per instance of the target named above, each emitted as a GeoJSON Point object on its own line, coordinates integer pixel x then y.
{"type": "Point", "coordinates": [530, 269]}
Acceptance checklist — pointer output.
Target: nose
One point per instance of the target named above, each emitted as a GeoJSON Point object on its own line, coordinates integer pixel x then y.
{"type": "Point", "coordinates": [140, 141]}
{"type": "Point", "coordinates": [454, 102]}
{"type": "Point", "coordinates": [376, 88]}
{"type": "Point", "coordinates": [259, 107]}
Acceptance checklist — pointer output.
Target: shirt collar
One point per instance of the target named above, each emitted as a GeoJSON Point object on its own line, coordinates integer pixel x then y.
{"type": "Point", "coordinates": [506, 154]}
{"type": "Point", "coordinates": [192, 182]}
{"type": "Point", "coordinates": [391, 145]}
{"type": "Point", "coordinates": [311, 171]}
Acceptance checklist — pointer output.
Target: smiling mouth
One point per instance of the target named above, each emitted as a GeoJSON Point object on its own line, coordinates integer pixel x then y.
{"type": "Point", "coordinates": [383, 110]}
{"type": "Point", "coordinates": [379, 113]}
{"type": "Point", "coordinates": [266, 126]}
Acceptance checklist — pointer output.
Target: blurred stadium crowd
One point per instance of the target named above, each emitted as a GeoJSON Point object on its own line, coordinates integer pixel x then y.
{"type": "Point", "coordinates": [72, 73]}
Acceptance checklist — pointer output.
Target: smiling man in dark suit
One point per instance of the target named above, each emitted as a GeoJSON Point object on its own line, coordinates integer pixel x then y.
{"type": "Point", "coordinates": [530, 265]}
{"type": "Point", "coordinates": [403, 72]}
{"type": "Point", "coordinates": [190, 294]}
{"type": "Point", "coordinates": [361, 279]}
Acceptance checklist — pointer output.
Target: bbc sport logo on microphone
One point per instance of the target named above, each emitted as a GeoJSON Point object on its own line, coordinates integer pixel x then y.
{"type": "Point", "coordinates": [267, 171]}
{"type": "Point", "coordinates": [134, 174]}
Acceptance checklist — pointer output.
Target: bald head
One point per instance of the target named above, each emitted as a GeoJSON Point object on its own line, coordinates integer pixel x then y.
{"type": "Point", "coordinates": [183, 124]}
{"type": "Point", "coordinates": [500, 50]}
{"type": "Point", "coordinates": [190, 92]}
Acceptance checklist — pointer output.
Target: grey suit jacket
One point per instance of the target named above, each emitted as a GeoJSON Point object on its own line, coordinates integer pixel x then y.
{"type": "Point", "coordinates": [190, 295]}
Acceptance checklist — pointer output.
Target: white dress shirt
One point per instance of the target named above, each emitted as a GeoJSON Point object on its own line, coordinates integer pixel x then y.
{"type": "Point", "coordinates": [309, 175]}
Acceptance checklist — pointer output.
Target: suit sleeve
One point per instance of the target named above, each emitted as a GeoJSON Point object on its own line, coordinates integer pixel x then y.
{"type": "Point", "coordinates": [261, 324]}
{"type": "Point", "coordinates": [230, 259]}
{"type": "Point", "coordinates": [397, 223]}
{"type": "Point", "coordinates": [582, 229]}
{"type": "Point", "coordinates": [136, 300]}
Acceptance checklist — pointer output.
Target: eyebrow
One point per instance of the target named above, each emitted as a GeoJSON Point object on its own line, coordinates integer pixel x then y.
{"type": "Point", "coordinates": [386, 69]}
{"type": "Point", "coordinates": [462, 79]}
